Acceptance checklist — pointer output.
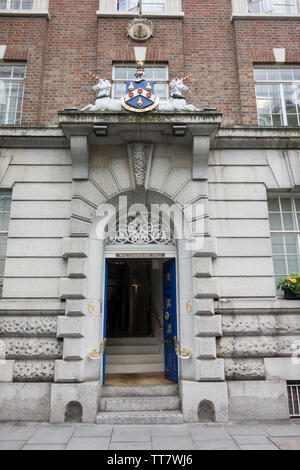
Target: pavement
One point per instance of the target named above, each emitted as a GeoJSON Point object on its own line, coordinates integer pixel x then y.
{"type": "Point", "coordinates": [267, 435]}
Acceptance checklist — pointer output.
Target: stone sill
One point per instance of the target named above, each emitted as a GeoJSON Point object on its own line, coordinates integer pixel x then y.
{"type": "Point", "coordinates": [265, 17]}
{"type": "Point", "coordinates": [25, 13]}
{"type": "Point", "coordinates": [279, 138]}
{"type": "Point", "coordinates": [265, 305]}
{"type": "Point", "coordinates": [126, 14]}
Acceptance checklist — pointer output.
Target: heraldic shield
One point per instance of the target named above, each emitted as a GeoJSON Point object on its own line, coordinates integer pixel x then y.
{"type": "Point", "coordinates": [139, 96]}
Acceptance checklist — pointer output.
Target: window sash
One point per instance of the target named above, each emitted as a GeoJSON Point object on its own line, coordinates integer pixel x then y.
{"type": "Point", "coordinates": [272, 6]}
{"type": "Point", "coordinates": [277, 99]}
{"type": "Point", "coordinates": [120, 81]}
{"type": "Point", "coordinates": [285, 240]}
{"type": "Point", "coordinates": [147, 5]}
{"type": "Point", "coordinates": [12, 78]}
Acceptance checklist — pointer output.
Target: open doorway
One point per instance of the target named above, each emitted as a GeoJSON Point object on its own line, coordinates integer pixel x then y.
{"type": "Point", "coordinates": [141, 321]}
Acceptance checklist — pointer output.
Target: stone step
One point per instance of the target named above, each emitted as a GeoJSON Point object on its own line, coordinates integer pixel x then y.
{"type": "Point", "coordinates": [134, 368]}
{"type": "Point", "coordinates": [138, 341]}
{"type": "Point", "coordinates": [140, 417]}
{"type": "Point", "coordinates": [133, 358]}
{"type": "Point", "coordinates": [140, 403]}
{"type": "Point", "coordinates": [139, 390]}
{"type": "Point", "coordinates": [129, 349]}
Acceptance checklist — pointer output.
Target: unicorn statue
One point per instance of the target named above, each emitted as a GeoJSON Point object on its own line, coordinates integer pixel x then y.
{"type": "Point", "coordinates": [177, 102]}
{"type": "Point", "coordinates": [103, 101]}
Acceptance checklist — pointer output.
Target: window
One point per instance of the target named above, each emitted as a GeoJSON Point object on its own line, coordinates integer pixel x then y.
{"type": "Point", "coordinates": [294, 399]}
{"type": "Point", "coordinates": [157, 73]}
{"type": "Point", "coordinates": [278, 96]}
{"type": "Point", "coordinates": [5, 201]}
{"type": "Point", "coordinates": [146, 5]}
{"type": "Point", "coordinates": [272, 6]}
{"type": "Point", "coordinates": [16, 4]}
{"type": "Point", "coordinates": [11, 93]}
{"type": "Point", "coordinates": [284, 217]}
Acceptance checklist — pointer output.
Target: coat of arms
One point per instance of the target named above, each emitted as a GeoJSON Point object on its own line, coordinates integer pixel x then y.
{"type": "Point", "coordinates": [139, 93]}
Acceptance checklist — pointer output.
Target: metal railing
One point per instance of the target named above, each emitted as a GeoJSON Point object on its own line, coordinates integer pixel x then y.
{"type": "Point", "coordinates": [294, 400]}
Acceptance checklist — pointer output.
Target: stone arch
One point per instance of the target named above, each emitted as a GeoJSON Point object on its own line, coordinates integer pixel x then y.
{"type": "Point", "coordinates": [206, 411]}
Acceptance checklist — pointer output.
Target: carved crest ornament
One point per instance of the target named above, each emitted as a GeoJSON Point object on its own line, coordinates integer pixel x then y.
{"type": "Point", "coordinates": [140, 29]}
{"type": "Point", "coordinates": [140, 95]}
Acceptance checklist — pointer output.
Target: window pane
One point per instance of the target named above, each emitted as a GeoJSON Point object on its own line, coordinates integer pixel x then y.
{"type": "Point", "coordinates": [291, 244]}
{"type": "Point", "coordinates": [273, 205]}
{"type": "Point", "coordinates": [286, 74]}
{"type": "Point", "coordinates": [120, 90]}
{"type": "Point", "coordinates": [277, 244]}
{"type": "Point", "coordinates": [279, 264]}
{"type": "Point", "coordinates": [275, 222]}
{"type": "Point", "coordinates": [292, 120]}
{"type": "Point", "coordinates": [160, 90]}
{"type": "Point", "coordinates": [120, 73]}
{"type": "Point", "coordinates": [288, 221]}
{"type": "Point", "coordinates": [297, 203]}
{"type": "Point", "coordinates": [3, 243]}
{"type": "Point", "coordinates": [286, 204]}
{"type": "Point", "coordinates": [293, 264]}
{"type": "Point", "coordinates": [260, 74]}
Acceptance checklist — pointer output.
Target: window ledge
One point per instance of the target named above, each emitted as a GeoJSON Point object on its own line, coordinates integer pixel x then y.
{"type": "Point", "coordinates": [151, 14]}
{"type": "Point", "coordinates": [25, 13]}
{"type": "Point", "coordinates": [264, 16]}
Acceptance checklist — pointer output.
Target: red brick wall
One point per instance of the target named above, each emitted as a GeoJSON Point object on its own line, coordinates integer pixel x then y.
{"type": "Point", "coordinates": [217, 53]}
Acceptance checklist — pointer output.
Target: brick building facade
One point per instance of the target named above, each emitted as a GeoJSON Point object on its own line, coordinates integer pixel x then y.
{"type": "Point", "coordinates": [237, 157]}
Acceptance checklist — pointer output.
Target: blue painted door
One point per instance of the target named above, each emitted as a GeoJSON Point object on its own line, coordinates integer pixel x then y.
{"type": "Point", "coordinates": [170, 320]}
{"type": "Point", "coordinates": [105, 319]}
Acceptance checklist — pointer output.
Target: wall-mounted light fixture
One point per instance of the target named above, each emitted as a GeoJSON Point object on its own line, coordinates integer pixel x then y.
{"type": "Point", "coordinates": [210, 108]}
{"type": "Point", "coordinates": [179, 130]}
{"type": "Point", "coordinates": [100, 130]}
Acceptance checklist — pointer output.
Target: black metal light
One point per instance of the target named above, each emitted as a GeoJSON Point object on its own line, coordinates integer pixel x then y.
{"type": "Point", "coordinates": [100, 130]}
{"type": "Point", "coordinates": [179, 130]}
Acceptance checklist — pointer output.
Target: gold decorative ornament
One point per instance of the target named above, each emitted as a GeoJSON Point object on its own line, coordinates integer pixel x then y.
{"type": "Point", "coordinates": [140, 29]}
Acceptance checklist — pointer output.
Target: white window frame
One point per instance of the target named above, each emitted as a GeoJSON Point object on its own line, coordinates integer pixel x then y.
{"type": "Point", "coordinates": [9, 5]}
{"type": "Point", "coordinates": [131, 65]}
{"type": "Point", "coordinates": [282, 100]}
{"type": "Point", "coordinates": [240, 8]}
{"type": "Point", "coordinates": [132, 5]}
{"type": "Point", "coordinates": [283, 232]}
{"type": "Point", "coordinates": [173, 9]}
{"type": "Point", "coordinates": [14, 80]}
{"type": "Point", "coordinates": [271, 4]}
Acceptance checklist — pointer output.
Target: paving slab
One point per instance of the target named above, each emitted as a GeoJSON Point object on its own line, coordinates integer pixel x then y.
{"type": "Point", "coordinates": [16, 433]}
{"type": "Point", "coordinates": [287, 442]}
{"type": "Point", "coordinates": [200, 432]}
{"type": "Point", "coordinates": [173, 443]}
{"type": "Point", "coordinates": [88, 443]}
{"type": "Point", "coordinates": [248, 429]}
{"type": "Point", "coordinates": [258, 447]}
{"type": "Point", "coordinates": [11, 445]}
{"type": "Point", "coordinates": [283, 429]}
{"type": "Point", "coordinates": [52, 435]}
{"type": "Point", "coordinates": [244, 439]}
{"type": "Point", "coordinates": [94, 430]}
{"type": "Point", "coordinates": [130, 446]}
{"type": "Point", "coordinates": [44, 447]}
{"type": "Point", "coordinates": [132, 433]}
{"type": "Point", "coordinates": [168, 430]}
{"type": "Point", "coordinates": [217, 444]}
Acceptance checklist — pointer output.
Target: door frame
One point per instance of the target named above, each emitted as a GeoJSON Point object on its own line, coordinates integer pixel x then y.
{"type": "Point", "coordinates": [110, 252]}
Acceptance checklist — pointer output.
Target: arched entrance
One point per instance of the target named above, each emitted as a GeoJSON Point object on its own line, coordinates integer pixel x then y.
{"type": "Point", "coordinates": [140, 314]}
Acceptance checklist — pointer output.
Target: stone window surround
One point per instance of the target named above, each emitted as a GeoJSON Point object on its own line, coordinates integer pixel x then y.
{"type": "Point", "coordinates": [40, 8]}
{"type": "Point", "coordinates": [240, 11]}
{"type": "Point", "coordinates": [173, 10]}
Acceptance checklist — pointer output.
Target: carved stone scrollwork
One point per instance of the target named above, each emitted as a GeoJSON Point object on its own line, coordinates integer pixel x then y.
{"type": "Point", "coordinates": [140, 156]}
